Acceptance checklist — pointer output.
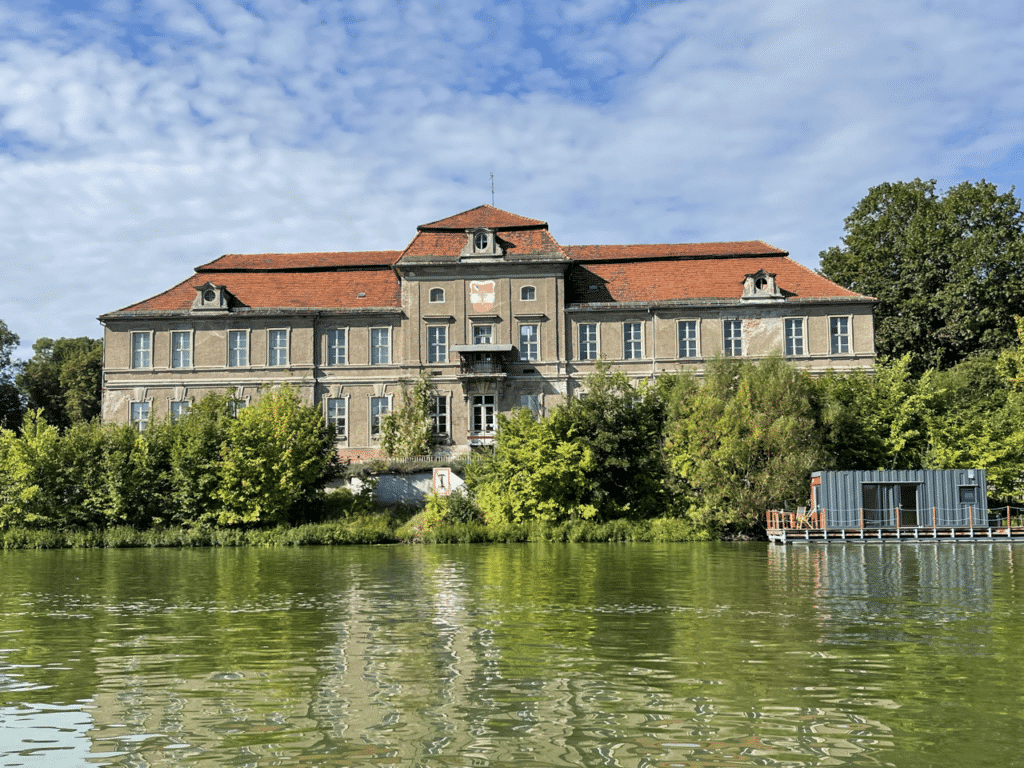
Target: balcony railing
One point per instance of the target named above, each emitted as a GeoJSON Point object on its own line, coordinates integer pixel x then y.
{"type": "Point", "coordinates": [481, 367]}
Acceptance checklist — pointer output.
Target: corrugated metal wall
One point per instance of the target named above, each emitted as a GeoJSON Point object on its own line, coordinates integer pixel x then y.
{"type": "Point", "coordinates": [841, 495]}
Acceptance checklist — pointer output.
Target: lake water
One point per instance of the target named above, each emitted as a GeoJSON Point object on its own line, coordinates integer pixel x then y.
{"type": "Point", "coordinates": [515, 655]}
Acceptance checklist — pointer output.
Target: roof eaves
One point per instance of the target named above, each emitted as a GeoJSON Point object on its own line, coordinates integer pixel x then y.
{"type": "Point", "coordinates": [158, 314]}
{"type": "Point", "coordinates": [712, 302]}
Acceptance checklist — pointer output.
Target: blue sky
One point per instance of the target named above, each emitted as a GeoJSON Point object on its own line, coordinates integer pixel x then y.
{"type": "Point", "coordinates": [140, 138]}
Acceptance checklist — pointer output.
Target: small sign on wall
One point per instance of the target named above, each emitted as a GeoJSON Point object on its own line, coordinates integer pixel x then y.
{"type": "Point", "coordinates": [442, 481]}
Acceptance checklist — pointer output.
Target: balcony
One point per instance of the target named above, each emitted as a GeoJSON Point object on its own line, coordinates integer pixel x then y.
{"type": "Point", "coordinates": [482, 361]}
{"type": "Point", "coordinates": [481, 367]}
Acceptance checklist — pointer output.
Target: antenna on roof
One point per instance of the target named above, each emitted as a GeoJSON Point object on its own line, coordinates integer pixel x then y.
{"type": "Point", "coordinates": [492, 190]}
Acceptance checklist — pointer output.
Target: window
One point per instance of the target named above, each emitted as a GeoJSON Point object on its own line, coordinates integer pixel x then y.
{"type": "Point", "coordinates": [531, 403]}
{"type": "Point", "coordinates": [529, 342]}
{"type": "Point", "coordinates": [380, 346]}
{"type": "Point", "coordinates": [480, 241]}
{"type": "Point", "coordinates": [794, 336]}
{"type": "Point", "coordinates": [438, 412]}
{"type": "Point", "coordinates": [277, 347]}
{"type": "Point", "coordinates": [483, 413]}
{"type": "Point", "coordinates": [839, 335]}
{"type": "Point", "coordinates": [483, 334]}
{"type": "Point", "coordinates": [142, 349]}
{"type": "Point", "coordinates": [588, 341]}
{"type": "Point", "coordinates": [436, 295]}
{"type": "Point", "coordinates": [337, 411]}
{"type": "Point", "coordinates": [632, 347]}
{"type": "Point", "coordinates": [437, 344]}
{"type": "Point", "coordinates": [732, 336]}
{"type": "Point", "coordinates": [378, 407]}
{"type": "Point", "coordinates": [528, 293]}
{"type": "Point", "coordinates": [237, 406]}
{"type": "Point", "coordinates": [181, 349]}
{"type": "Point", "coordinates": [337, 346]}
{"type": "Point", "coordinates": [140, 416]}
{"type": "Point", "coordinates": [687, 338]}
{"type": "Point", "coordinates": [178, 409]}
{"type": "Point", "coordinates": [238, 349]}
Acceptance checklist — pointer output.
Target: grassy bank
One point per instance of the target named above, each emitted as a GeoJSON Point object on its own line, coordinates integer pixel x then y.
{"type": "Point", "coordinates": [369, 529]}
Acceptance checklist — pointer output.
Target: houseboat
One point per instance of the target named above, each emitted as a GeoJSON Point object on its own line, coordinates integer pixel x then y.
{"type": "Point", "coordinates": [887, 505]}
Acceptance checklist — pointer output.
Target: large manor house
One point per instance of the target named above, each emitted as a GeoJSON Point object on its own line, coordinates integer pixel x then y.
{"type": "Point", "coordinates": [487, 302]}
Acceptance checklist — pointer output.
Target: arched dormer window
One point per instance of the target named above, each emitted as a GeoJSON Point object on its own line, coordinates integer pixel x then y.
{"type": "Point", "coordinates": [481, 242]}
{"type": "Point", "coordinates": [436, 295]}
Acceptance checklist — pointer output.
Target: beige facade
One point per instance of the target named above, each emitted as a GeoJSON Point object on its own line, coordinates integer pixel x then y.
{"type": "Point", "coordinates": [498, 312]}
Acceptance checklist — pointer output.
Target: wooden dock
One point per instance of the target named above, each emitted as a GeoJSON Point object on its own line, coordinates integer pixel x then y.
{"type": "Point", "coordinates": [802, 535]}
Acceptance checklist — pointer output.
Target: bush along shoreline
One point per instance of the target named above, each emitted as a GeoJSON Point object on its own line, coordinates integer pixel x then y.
{"type": "Point", "coordinates": [671, 459]}
{"type": "Point", "coordinates": [374, 529]}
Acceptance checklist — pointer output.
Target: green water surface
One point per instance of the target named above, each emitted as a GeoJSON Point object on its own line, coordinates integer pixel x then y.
{"type": "Point", "coordinates": [515, 655]}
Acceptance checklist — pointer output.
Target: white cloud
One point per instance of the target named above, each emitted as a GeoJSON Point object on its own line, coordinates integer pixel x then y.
{"type": "Point", "coordinates": [137, 142]}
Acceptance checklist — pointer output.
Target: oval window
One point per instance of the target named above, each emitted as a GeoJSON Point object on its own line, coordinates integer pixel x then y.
{"type": "Point", "coordinates": [480, 241]}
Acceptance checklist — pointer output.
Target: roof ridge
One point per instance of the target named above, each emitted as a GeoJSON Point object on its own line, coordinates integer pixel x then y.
{"type": "Point", "coordinates": [488, 215]}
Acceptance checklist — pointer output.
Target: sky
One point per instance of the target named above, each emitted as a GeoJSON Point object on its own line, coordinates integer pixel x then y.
{"type": "Point", "coordinates": [141, 138]}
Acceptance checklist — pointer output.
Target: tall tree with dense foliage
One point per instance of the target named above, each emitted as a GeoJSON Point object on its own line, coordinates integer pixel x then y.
{"type": "Point", "coordinates": [408, 430]}
{"type": "Point", "coordinates": [978, 420]}
{"type": "Point", "coordinates": [948, 270]}
{"type": "Point", "coordinates": [621, 424]}
{"type": "Point", "coordinates": [879, 420]}
{"type": "Point", "coordinates": [195, 451]}
{"type": "Point", "coordinates": [533, 474]}
{"type": "Point", "coordinates": [744, 441]}
{"type": "Point", "coordinates": [63, 378]}
{"type": "Point", "coordinates": [31, 491]}
{"type": "Point", "coordinates": [10, 400]}
{"type": "Point", "coordinates": [276, 458]}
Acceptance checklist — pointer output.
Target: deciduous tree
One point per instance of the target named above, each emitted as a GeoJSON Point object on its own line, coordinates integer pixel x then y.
{"type": "Point", "coordinates": [63, 378]}
{"type": "Point", "coordinates": [744, 441]}
{"type": "Point", "coordinates": [621, 423]}
{"type": "Point", "coordinates": [948, 270]}
{"type": "Point", "coordinates": [277, 456]}
{"type": "Point", "coordinates": [10, 400]}
{"type": "Point", "coordinates": [408, 430]}
{"type": "Point", "coordinates": [533, 475]}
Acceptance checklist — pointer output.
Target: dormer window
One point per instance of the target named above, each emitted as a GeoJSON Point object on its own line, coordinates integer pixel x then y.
{"type": "Point", "coordinates": [210, 297]}
{"type": "Point", "coordinates": [481, 241]}
{"type": "Point", "coordinates": [761, 285]}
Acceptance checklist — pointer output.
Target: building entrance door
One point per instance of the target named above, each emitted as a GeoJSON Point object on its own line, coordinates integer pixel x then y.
{"type": "Point", "coordinates": [888, 505]}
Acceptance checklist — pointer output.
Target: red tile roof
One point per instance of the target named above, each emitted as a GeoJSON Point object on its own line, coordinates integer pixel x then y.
{"type": "Point", "coordinates": [268, 290]}
{"type": "Point", "coordinates": [446, 246]}
{"type": "Point", "coordinates": [291, 261]}
{"type": "Point", "coordinates": [483, 216]}
{"type": "Point", "coordinates": [694, 279]}
{"type": "Point", "coordinates": [620, 273]}
{"type": "Point", "coordinates": [670, 250]}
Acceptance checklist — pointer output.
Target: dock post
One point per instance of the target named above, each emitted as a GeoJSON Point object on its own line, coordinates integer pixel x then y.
{"type": "Point", "coordinates": [933, 517]}
{"type": "Point", "coordinates": [970, 516]}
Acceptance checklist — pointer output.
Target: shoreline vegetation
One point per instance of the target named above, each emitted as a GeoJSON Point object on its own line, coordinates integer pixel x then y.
{"type": "Point", "coordinates": [672, 458]}
{"type": "Point", "coordinates": [375, 529]}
